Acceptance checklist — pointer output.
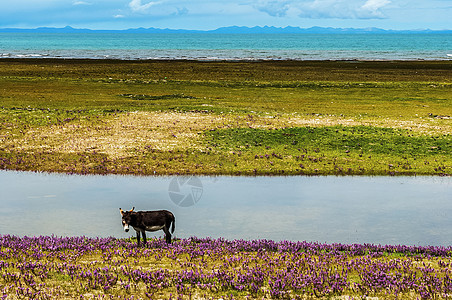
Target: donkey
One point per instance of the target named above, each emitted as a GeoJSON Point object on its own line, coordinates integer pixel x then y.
{"type": "Point", "coordinates": [143, 221]}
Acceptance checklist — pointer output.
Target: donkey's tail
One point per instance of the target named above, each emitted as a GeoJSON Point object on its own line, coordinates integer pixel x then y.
{"type": "Point", "coordinates": [173, 223]}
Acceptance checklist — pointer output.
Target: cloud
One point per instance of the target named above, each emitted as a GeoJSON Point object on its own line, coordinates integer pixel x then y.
{"type": "Point", "coordinates": [354, 9]}
{"type": "Point", "coordinates": [273, 8]}
{"type": "Point", "coordinates": [181, 11]}
{"type": "Point", "coordinates": [323, 9]}
{"type": "Point", "coordinates": [373, 7]}
{"type": "Point", "coordinates": [375, 4]}
{"type": "Point", "coordinates": [137, 6]}
{"type": "Point", "coordinates": [81, 3]}
{"type": "Point", "coordinates": [210, 14]}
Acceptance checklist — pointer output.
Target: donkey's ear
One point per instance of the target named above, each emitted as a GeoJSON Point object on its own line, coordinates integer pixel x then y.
{"type": "Point", "coordinates": [121, 211]}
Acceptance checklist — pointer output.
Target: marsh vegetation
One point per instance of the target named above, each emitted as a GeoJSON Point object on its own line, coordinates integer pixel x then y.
{"type": "Point", "coordinates": [253, 118]}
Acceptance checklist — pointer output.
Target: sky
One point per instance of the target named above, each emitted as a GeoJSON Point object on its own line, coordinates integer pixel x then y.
{"type": "Point", "coordinates": [212, 14]}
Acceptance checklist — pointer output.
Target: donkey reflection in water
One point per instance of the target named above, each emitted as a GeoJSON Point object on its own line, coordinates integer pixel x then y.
{"type": "Point", "coordinates": [143, 221]}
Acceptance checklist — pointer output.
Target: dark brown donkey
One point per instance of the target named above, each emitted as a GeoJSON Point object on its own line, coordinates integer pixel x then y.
{"type": "Point", "coordinates": [143, 221]}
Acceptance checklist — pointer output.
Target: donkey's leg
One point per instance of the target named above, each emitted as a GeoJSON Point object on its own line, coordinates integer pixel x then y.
{"type": "Point", "coordinates": [167, 234]}
{"type": "Point", "coordinates": [138, 238]}
{"type": "Point", "coordinates": [143, 233]}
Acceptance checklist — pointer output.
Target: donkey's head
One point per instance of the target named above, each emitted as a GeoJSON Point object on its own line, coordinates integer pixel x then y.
{"type": "Point", "coordinates": [126, 218]}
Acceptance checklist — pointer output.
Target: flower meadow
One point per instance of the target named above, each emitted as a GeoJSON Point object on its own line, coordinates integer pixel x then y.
{"type": "Point", "coordinates": [50, 267]}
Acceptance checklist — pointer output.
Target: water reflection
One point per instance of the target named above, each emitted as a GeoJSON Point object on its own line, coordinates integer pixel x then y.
{"type": "Point", "coordinates": [385, 210]}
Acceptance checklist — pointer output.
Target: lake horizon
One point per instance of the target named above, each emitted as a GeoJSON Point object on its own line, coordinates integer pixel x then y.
{"type": "Point", "coordinates": [223, 46]}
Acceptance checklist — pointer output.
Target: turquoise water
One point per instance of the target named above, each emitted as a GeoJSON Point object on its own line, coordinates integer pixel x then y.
{"type": "Point", "coordinates": [211, 46]}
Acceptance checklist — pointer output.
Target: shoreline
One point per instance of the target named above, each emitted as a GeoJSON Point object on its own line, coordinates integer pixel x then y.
{"type": "Point", "coordinates": [38, 57]}
{"type": "Point", "coordinates": [227, 175]}
{"type": "Point", "coordinates": [192, 60]}
{"type": "Point", "coordinates": [236, 71]}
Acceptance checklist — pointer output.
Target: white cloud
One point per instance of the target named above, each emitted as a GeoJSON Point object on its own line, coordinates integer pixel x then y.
{"type": "Point", "coordinates": [375, 4]}
{"type": "Point", "coordinates": [373, 7]}
{"type": "Point", "coordinates": [137, 6]}
{"type": "Point", "coordinates": [81, 3]}
{"type": "Point", "coordinates": [274, 8]}
{"type": "Point", "coordinates": [323, 9]}
{"type": "Point", "coordinates": [182, 11]}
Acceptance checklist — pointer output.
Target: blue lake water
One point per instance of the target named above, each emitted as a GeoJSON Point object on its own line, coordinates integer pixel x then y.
{"type": "Point", "coordinates": [379, 210]}
{"type": "Point", "coordinates": [211, 46]}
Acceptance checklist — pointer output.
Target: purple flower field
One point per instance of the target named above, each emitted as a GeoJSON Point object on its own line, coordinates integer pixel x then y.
{"type": "Point", "coordinates": [49, 267]}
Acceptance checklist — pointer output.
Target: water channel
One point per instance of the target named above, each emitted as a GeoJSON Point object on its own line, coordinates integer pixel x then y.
{"type": "Point", "coordinates": [378, 210]}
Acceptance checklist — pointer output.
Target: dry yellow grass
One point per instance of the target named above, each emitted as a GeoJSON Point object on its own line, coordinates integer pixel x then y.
{"type": "Point", "coordinates": [120, 136]}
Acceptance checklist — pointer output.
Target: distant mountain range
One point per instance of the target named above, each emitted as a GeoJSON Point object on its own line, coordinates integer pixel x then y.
{"type": "Point", "coordinates": [233, 29]}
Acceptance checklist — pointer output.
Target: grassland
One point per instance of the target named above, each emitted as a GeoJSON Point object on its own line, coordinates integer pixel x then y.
{"type": "Point", "coordinates": [237, 118]}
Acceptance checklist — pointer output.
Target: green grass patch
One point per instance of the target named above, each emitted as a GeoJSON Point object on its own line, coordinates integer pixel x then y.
{"type": "Point", "coordinates": [355, 150]}
{"type": "Point", "coordinates": [359, 139]}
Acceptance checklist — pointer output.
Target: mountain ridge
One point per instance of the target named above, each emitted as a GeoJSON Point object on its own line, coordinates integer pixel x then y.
{"type": "Point", "coordinates": [231, 30]}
